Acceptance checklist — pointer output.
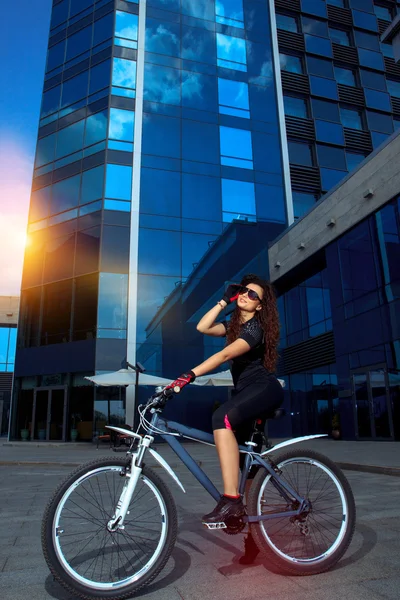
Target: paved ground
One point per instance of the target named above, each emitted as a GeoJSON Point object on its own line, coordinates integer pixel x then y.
{"type": "Point", "coordinates": [204, 564]}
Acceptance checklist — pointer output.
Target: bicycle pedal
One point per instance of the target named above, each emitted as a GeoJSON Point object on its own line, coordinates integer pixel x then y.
{"type": "Point", "coordinates": [214, 526]}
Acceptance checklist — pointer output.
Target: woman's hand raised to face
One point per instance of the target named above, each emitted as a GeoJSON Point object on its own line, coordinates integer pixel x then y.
{"type": "Point", "coordinates": [231, 293]}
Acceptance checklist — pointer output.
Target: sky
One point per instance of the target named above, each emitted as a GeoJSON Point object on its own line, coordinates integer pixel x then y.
{"type": "Point", "coordinates": [24, 29]}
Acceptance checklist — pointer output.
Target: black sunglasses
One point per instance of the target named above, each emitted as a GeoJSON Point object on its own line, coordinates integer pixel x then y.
{"type": "Point", "coordinates": [251, 293]}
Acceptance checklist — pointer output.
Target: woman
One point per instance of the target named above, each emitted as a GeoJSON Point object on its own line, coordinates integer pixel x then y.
{"type": "Point", "coordinates": [252, 339]}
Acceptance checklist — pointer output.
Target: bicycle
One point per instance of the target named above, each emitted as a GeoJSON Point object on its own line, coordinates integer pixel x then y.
{"type": "Point", "coordinates": [111, 526]}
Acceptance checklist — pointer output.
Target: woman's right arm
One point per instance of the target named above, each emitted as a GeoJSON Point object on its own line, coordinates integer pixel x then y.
{"type": "Point", "coordinates": [207, 324]}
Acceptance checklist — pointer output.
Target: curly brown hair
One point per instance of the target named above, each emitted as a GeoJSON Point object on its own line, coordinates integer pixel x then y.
{"type": "Point", "coordinates": [268, 318]}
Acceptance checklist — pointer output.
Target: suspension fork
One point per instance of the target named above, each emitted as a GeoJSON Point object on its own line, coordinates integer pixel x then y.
{"type": "Point", "coordinates": [117, 522]}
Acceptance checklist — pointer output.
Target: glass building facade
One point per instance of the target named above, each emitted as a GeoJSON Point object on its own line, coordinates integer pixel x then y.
{"type": "Point", "coordinates": [177, 138]}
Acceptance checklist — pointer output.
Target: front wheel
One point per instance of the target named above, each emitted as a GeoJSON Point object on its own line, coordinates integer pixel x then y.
{"type": "Point", "coordinates": [314, 541]}
{"type": "Point", "coordinates": [88, 558]}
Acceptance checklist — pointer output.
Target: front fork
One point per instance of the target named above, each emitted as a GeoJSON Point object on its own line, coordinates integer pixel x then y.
{"type": "Point", "coordinates": [117, 521]}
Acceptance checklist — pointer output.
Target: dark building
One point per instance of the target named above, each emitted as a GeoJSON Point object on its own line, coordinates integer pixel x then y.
{"type": "Point", "coordinates": [177, 139]}
{"type": "Point", "coordinates": [9, 306]}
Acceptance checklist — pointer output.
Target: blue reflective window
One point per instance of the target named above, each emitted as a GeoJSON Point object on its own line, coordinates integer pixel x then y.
{"type": "Point", "coordinates": [286, 23]}
{"type": "Point", "coordinates": [328, 111]}
{"type": "Point", "coordinates": [233, 98]}
{"type": "Point", "coordinates": [364, 20]}
{"type": "Point", "coordinates": [153, 291]}
{"type": "Point", "coordinates": [45, 150]}
{"type": "Point", "coordinates": [121, 124]}
{"type": "Point", "coordinates": [378, 100]}
{"type": "Point", "coordinates": [263, 103]}
{"type": "Point", "coordinates": [317, 45]}
{"type": "Point", "coordinates": [393, 87]}
{"type": "Point", "coordinates": [96, 128]}
{"type": "Point", "coordinates": [328, 156]}
{"type": "Point", "coordinates": [236, 148]}
{"type": "Point", "coordinates": [162, 37]}
{"type": "Point", "coordinates": [70, 139]}
{"type": "Point", "coordinates": [290, 63]}
{"type": "Point", "coordinates": [345, 76]}
{"type": "Point", "coordinates": [160, 192]}
{"type": "Point", "coordinates": [118, 182]}
{"type": "Point", "coordinates": [39, 207]}
{"type": "Point", "coordinates": [330, 177]}
{"type": "Point", "coordinates": [120, 205]}
{"type": "Point", "coordinates": [379, 122]}
{"type": "Point", "coordinates": [194, 247]}
{"type": "Point", "coordinates": [103, 29]}
{"type": "Point", "coordinates": [300, 154]}
{"type": "Point", "coordinates": [351, 118]}
{"type": "Point", "coordinates": [55, 56]}
{"type": "Point", "coordinates": [353, 159]}
{"type": "Point", "coordinates": [65, 194]}
{"type": "Point", "coordinates": [396, 123]}
{"type": "Point", "coordinates": [74, 89]}
{"type": "Point", "coordinates": [79, 5]}
{"type": "Point", "coordinates": [126, 25]}
{"type": "Point", "coordinates": [50, 101]}
{"type": "Point", "coordinates": [314, 7]}
{"type": "Point", "coordinates": [199, 91]}
{"type": "Point", "coordinates": [314, 26]}
{"type": "Point", "coordinates": [201, 197]}
{"type": "Point", "coordinates": [373, 60]}
{"type": "Point", "coordinates": [160, 252]}
{"type": "Point", "coordinates": [267, 153]}
{"type": "Point", "coordinates": [340, 3]}
{"type": "Point", "coordinates": [200, 142]}
{"type": "Point", "coordinates": [99, 77]}
{"type": "Point", "coordinates": [113, 301]}
{"type": "Point", "coordinates": [124, 74]}
{"type": "Point", "coordinates": [198, 44]}
{"type": "Point", "coordinates": [319, 66]}
{"type": "Point", "coordinates": [162, 84]}
{"type": "Point", "coordinates": [202, 9]}
{"type": "Point", "coordinates": [115, 249]}
{"type": "Point", "coordinates": [238, 199]}
{"type": "Point", "coordinates": [59, 13]}
{"type": "Point", "coordinates": [229, 12]}
{"type": "Point", "coordinates": [161, 136]}
{"type": "Point", "coordinates": [366, 5]}
{"type": "Point", "coordinates": [327, 88]}
{"type": "Point", "coordinates": [339, 36]}
{"type": "Point", "coordinates": [12, 347]}
{"type": "Point", "coordinates": [295, 107]}
{"type": "Point", "coordinates": [78, 43]}
{"type": "Point", "coordinates": [4, 338]}
{"type": "Point", "coordinates": [383, 12]}
{"type": "Point", "coordinates": [372, 79]}
{"type": "Point", "coordinates": [378, 138]}
{"type": "Point", "coordinates": [270, 202]}
{"type": "Point", "coordinates": [367, 40]}
{"type": "Point", "coordinates": [92, 184]}
{"type": "Point", "coordinates": [302, 203]}
{"type": "Point", "coordinates": [231, 52]}
{"type": "Point", "coordinates": [329, 132]}
{"type": "Point", "coordinates": [386, 49]}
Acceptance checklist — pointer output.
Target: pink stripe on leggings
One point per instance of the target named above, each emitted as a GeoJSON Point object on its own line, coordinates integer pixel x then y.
{"type": "Point", "coordinates": [227, 424]}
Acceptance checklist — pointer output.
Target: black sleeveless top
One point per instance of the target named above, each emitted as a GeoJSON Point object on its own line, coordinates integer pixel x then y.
{"type": "Point", "coordinates": [249, 367]}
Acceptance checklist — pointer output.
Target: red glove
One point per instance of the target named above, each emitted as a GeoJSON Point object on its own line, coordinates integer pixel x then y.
{"type": "Point", "coordinates": [182, 380]}
{"type": "Point", "coordinates": [231, 293]}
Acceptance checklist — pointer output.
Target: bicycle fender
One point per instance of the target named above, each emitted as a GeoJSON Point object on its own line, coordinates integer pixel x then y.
{"type": "Point", "coordinates": [293, 441]}
{"type": "Point", "coordinates": [166, 466]}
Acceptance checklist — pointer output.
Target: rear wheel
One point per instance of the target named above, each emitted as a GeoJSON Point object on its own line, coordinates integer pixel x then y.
{"type": "Point", "coordinates": [88, 558]}
{"type": "Point", "coordinates": [314, 541]}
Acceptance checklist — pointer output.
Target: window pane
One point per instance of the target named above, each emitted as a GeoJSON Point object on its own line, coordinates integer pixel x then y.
{"type": "Point", "coordinates": [367, 40]}
{"type": "Point", "coordinates": [92, 184]}
{"type": "Point", "coordinates": [230, 9]}
{"type": "Point", "coordinates": [45, 150]}
{"type": "Point", "coordinates": [118, 182]}
{"type": "Point", "coordinates": [300, 154]}
{"type": "Point", "coordinates": [338, 36]}
{"type": "Point", "coordinates": [55, 56]}
{"type": "Point", "coordinates": [78, 43]}
{"type": "Point", "coordinates": [378, 100]}
{"type": "Point", "coordinates": [96, 128]}
{"type": "Point", "coordinates": [161, 136]}
{"type": "Point", "coordinates": [198, 44]}
{"type": "Point", "coordinates": [151, 260]}
{"type": "Point", "coordinates": [124, 73]}
{"type": "Point", "coordinates": [318, 66]}
{"type": "Point", "coordinates": [65, 194]}
{"type": "Point", "coordinates": [373, 60]}
{"type": "Point", "coordinates": [113, 301]}
{"type": "Point", "coordinates": [329, 111]}
{"type": "Point", "coordinates": [317, 45]}
{"type": "Point", "coordinates": [99, 77]}
{"type": "Point", "coordinates": [202, 9]}
{"type": "Point", "coordinates": [236, 143]}
{"type": "Point", "coordinates": [383, 12]}
{"type": "Point", "coordinates": [314, 7]}
{"type": "Point", "coordinates": [102, 29]}
{"type": "Point", "coordinates": [40, 204]}
{"type": "Point", "coordinates": [331, 157]}
{"type": "Point", "coordinates": [353, 160]}
{"type": "Point", "coordinates": [286, 23]}
{"type": "Point", "coordinates": [340, 3]}
{"type": "Point", "coordinates": [121, 124]}
{"type": "Point", "coordinates": [238, 197]}
{"type": "Point", "coordinates": [199, 91]}
{"type": "Point", "coordinates": [386, 49]}
{"type": "Point", "coordinates": [393, 87]}
{"type": "Point", "coordinates": [330, 177]}
{"type": "Point", "coordinates": [51, 101]}
{"type": "Point", "coordinates": [293, 64]}
{"type": "Point", "coordinates": [201, 197]}
{"type": "Point", "coordinates": [295, 107]}
{"type": "Point", "coordinates": [231, 49]}
{"type": "Point", "coordinates": [326, 88]}
{"type": "Point", "coordinates": [59, 258]}
{"type": "Point", "coordinates": [115, 249]}
{"type": "Point", "coordinates": [70, 139]}
{"type": "Point", "coordinates": [126, 25]}
{"type": "Point", "coordinates": [87, 251]}
{"type": "Point", "coordinates": [86, 295]}
{"type": "Point", "coordinates": [302, 203]}
{"type": "Point", "coordinates": [4, 337]}
{"type": "Point", "coordinates": [314, 26]}
{"type": "Point", "coordinates": [162, 37]}
{"type": "Point", "coordinates": [162, 84]}
{"type": "Point", "coordinates": [364, 20]}
{"type": "Point", "coordinates": [233, 93]}
{"type": "Point", "coordinates": [56, 313]}
{"type": "Point", "coordinates": [160, 192]}
{"type": "Point", "coordinates": [373, 80]}
{"type": "Point", "coordinates": [345, 76]}
{"type": "Point", "coordinates": [74, 89]}
{"type": "Point", "coordinates": [351, 118]}
{"type": "Point", "coordinates": [329, 132]}
{"type": "Point", "coordinates": [379, 122]}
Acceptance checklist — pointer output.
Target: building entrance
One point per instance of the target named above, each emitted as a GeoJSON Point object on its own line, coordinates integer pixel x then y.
{"type": "Point", "coordinates": [49, 413]}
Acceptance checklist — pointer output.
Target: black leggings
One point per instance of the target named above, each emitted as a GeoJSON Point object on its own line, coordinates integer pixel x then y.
{"type": "Point", "coordinates": [246, 405]}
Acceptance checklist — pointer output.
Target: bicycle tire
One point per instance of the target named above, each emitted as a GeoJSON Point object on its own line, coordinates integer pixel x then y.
{"type": "Point", "coordinates": [50, 554]}
{"type": "Point", "coordinates": [264, 541]}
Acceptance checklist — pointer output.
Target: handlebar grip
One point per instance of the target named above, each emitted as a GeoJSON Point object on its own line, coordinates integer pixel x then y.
{"type": "Point", "coordinates": [169, 392]}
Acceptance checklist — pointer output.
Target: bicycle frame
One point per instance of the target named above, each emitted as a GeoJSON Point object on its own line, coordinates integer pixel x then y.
{"type": "Point", "coordinates": [170, 432]}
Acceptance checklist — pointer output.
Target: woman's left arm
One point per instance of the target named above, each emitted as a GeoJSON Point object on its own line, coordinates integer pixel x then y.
{"type": "Point", "coordinates": [237, 348]}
